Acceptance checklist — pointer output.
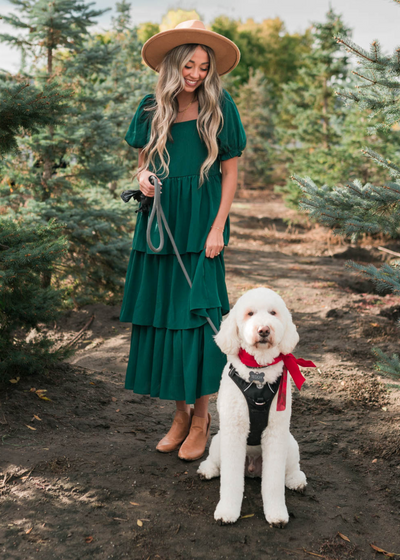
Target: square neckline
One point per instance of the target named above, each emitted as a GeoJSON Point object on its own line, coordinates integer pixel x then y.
{"type": "Point", "coordinates": [183, 122]}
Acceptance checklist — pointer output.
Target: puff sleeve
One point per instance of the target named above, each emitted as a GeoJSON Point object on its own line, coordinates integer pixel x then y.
{"type": "Point", "coordinates": [139, 130]}
{"type": "Point", "coordinates": [232, 138]}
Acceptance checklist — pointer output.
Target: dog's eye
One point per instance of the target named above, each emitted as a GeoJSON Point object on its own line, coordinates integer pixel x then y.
{"type": "Point", "coordinates": [272, 312]}
{"type": "Point", "coordinates": [250, 313]}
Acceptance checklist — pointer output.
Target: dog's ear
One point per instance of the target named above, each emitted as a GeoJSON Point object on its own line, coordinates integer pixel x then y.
{"type": "Point", "coordinates": [290, 338]}
{"type": "Point", "coordinates": [228, 337]}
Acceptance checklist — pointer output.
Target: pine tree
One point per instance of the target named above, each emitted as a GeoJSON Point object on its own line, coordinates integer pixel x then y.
{"type": "Point", "coordinates": [255, 105]}
{"type": "Point", "coordinates": [71, 172]}
{"type": "Point", "coordinates": [25, 305]}
{"type": "Point", "coordinates": [321, 136]}
{"type": "Point", "coordinates": [309, 111]}
{"type": "Point", "coordinates": [358, 208]}
{"type": "Point", "coordinates": [26, 251]}
{"type": "Point", "coordinates": [25, 107]}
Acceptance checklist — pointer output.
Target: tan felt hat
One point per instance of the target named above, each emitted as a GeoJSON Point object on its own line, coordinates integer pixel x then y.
{"type": "Point", "coordinates": [227, 54]}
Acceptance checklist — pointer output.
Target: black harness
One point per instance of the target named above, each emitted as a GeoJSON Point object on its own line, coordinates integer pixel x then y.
{"type": "Point", "coordinates": [259, 402]}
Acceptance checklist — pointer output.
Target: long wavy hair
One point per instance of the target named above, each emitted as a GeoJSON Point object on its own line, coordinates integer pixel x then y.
{"type": "Point", "coordinates": [165, 109]}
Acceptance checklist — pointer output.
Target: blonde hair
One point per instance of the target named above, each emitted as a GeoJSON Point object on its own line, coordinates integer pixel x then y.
{"type": "Point", "coordinates": [165, 110]}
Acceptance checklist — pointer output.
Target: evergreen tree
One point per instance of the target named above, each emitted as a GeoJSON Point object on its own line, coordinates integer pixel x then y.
{"type": "Point", "coordinates": [355, 208]}
{"type": "Point", "coordinates": [320, 136]}
{"type": "Point", "coordinates": [255, 105]}
{"type": "Point", "coordinates": [71, 172]}
{"type": "Point", "coordinates": [309, 113]}
{"type": "Point", "coordinates": [25, 107]}
{"type": "Point", "coordinates": [25, 251]}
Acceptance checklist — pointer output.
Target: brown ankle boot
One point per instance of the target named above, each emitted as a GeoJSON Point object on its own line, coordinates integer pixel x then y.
{"type": "Point", "coordinates": [177, 433]}
{"type": "Point", "coordinates": [194, 445]}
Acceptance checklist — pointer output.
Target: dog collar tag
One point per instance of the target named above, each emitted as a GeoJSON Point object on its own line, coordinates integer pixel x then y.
{"type": "Point", "coordinates": [257, 376]}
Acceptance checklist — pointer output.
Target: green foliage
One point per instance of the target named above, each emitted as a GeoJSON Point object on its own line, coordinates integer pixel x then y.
{"type": "Point", "coordinates": [310, 114]}
{"type": "Point", "coordinates": [73, 170]}
{"type": "Point", "coordinates": [356, 208]}
{"type": "Point", "coordinates": [59, 23]}
{"type": "Point", "coordinates": [22, 106]}
{"type": "Point", "coordinates": [26, 252]}
{"type": "Point", "coordinates": [256, 110]}
{"type": "Point", "coordinates": [378, 94]}
{"type": "Point", "coordinates": [388, 365]}
{"type": "Point", "coordinates": [147, 30]}
{"type": "Point", "coordinates": [265, 46]}
{"type": "Point", "coordinates": [324, 138]}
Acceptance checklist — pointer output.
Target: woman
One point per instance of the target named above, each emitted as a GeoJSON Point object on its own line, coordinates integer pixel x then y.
{"type": "Point", "coordinates": [189, 135]}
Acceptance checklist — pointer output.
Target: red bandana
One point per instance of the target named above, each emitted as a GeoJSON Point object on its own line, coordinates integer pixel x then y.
{"type": "Point", "coordinates": [291, 364]}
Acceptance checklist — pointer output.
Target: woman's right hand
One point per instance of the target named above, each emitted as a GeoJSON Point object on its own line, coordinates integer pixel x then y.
{"type": "Point", "coordinates": [144, 184]}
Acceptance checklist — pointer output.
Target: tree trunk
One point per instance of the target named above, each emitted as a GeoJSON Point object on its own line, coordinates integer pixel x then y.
{"type": "Point", "coordinates": [45, 277]}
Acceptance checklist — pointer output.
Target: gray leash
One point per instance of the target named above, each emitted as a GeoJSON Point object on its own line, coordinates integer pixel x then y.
{"type": "Point", "coordinates": [157, 209]}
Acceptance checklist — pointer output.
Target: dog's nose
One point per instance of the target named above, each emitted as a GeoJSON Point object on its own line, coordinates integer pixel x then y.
{"type": "Point", "coordinates": [264, 331]}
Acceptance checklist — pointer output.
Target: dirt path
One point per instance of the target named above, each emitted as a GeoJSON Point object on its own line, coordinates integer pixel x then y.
{"type": "Point", "coordinates": [86, 482]}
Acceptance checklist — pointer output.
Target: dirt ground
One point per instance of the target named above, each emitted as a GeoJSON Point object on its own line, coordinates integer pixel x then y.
{"type": "Point", "coordinates": [80, 477]}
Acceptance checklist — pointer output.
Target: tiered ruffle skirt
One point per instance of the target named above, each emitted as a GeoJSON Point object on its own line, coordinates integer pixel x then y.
{"type": "Point", "coordinates": [173, 354]}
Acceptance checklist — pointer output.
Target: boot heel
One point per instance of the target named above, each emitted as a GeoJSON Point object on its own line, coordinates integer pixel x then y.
{"type": "Point", "coordinates": [177, 433]}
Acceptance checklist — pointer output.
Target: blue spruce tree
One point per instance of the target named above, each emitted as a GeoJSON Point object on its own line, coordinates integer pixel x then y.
{"type": "Point", "coordinates": [72, 171]}
{"type": "Point", "coordinates": [357, 208]}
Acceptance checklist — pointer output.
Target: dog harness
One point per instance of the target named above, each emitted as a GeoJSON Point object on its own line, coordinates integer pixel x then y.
{"type": "Point", "coordinates": [258, 401]}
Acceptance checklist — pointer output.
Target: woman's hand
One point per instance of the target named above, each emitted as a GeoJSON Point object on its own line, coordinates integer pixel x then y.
{"type": "Point", "coordinates": [214, 243]}
{"type": "Point", "coordinates": [144, 184]}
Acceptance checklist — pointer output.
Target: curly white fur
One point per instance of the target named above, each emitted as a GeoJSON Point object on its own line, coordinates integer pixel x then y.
{"type": "Point", "coordinates": [261, 324]}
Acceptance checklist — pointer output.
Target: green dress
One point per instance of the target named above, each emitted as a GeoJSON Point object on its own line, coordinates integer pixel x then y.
{"type": "Point", "coordinates": [173, 354]}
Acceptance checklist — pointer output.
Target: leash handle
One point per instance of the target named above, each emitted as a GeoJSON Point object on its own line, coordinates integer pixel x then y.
{"type": "Point", "coordinates": [155, 210]}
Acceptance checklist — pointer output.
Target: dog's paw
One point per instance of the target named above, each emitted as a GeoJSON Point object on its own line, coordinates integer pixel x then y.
{"type": "Point", "coordinates": [208, 470]}
{"type": "Point", "coordinates": [277, 517]}
{"type": "Point", "coordinates": [296, 481]}
{"type": "Point", "coordinates": [225, 514]}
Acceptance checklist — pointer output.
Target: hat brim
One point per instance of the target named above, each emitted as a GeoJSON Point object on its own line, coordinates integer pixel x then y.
{"type": "Point", "coordinates": [227, 54]}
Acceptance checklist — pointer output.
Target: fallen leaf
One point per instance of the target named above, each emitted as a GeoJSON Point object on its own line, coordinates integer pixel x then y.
{"type": "Point", "coordinates": [37, 417]}
{"type": "Point", "coordinates": [113, 399]}
{"type": "Point", "coordinates": [246, 516]}
{"type": "Point", "coordinates": [28, 531]}
{"type": "Point", "coordinates": [374, 460]}
{"type": "Point", "coordinates": [388, 554]}
{"type": "Point", "coordinates": [91, 383]}
{"type": "Point", "coordinates": [140, 523]}
{"type": "Point", "coordinates": [15, 380]}
{"type": "Point", "coordinates": [344, 537]}
{"type": "Point", "coordinates": [134, 504]}
{"type": "Point", "coordinates": [374, 324]}
{"type": "Point", "coordinates": [43, 397]}
{"type": "Point", "coordinates": [30, 427]}
{"type": "Point", "coordinates": [117, 410]}
{"type": "Point", "coordinates": [89, 539]}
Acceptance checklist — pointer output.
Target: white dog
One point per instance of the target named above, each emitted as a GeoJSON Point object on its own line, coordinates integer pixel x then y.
{"type": "Point", "coordinates": [259, 326]}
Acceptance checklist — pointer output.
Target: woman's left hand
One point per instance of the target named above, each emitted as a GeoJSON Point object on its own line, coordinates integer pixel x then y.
{"type": "Point", "coordinates": [214, 243]}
